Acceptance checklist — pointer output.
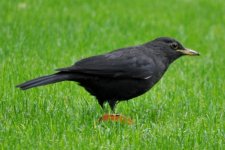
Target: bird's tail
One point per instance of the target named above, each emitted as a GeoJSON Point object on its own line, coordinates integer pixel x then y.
{"type": "Point", "coordinates": [49, 79]}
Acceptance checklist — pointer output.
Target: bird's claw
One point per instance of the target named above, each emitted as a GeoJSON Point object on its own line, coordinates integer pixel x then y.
{"type": "Point", "coordinates": [116, 118]}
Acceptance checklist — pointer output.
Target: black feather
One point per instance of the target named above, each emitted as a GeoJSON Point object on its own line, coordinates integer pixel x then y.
{"type": "Point", "coordinates": [49, 79]}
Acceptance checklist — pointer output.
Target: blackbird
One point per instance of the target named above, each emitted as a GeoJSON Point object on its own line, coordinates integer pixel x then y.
{"type": "Point", "coordinates": [121, 74]}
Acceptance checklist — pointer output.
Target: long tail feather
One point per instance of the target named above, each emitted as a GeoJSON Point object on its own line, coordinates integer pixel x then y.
{"type": "Point", "coordinates": [49, 79]}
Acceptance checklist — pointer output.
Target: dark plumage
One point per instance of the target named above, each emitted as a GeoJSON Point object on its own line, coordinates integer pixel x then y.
{"type": "Point", "coordinates": [121, 74]}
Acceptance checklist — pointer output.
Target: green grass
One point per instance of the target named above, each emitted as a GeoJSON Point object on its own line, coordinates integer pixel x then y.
{"type": "Point", "coordinates": [185, 110]}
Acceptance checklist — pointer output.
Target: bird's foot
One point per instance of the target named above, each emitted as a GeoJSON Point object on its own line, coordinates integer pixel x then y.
{"type": "Point", "coordinates": [116, 118]}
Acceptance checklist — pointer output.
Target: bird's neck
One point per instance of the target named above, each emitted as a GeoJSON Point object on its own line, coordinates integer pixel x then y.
{"type": "Point", "coordinates": [168, 58]}
{"type": "Point", "coordinates": [165, 61]}
{"type": "Point", "coordinates": [172, 58]}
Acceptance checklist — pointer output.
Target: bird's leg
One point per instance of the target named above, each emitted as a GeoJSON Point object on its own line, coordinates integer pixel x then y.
{"type": "Point", "coordinates": [115, 117]}
{"type": "Point", "coordinates": [112, 104]}
{"type": "Point", "coordinates": [101, 103]}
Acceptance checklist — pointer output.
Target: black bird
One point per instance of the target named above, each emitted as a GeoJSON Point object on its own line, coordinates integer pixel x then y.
{"type": "Point", "coordinates": [121, 74]}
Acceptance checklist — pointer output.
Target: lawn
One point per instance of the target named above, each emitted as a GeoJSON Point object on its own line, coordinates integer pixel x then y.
{"type": "Point", "coordinates": [185, 110]}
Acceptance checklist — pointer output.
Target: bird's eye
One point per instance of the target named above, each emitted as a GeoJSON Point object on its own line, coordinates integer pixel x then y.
{"type": "Point", "coordinates": [174, 46]}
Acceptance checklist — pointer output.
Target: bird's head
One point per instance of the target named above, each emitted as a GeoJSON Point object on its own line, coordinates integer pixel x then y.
{"type": "Point", "coordinates": [171, 48]}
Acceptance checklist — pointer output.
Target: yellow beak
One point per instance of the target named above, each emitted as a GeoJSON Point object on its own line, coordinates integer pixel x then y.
{"type": "Point", "coordinates": [189, 52]}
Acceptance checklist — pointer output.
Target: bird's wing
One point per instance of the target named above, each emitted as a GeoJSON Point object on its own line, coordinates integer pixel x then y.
{"type": "Point", "coordinates": [118, 64]}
